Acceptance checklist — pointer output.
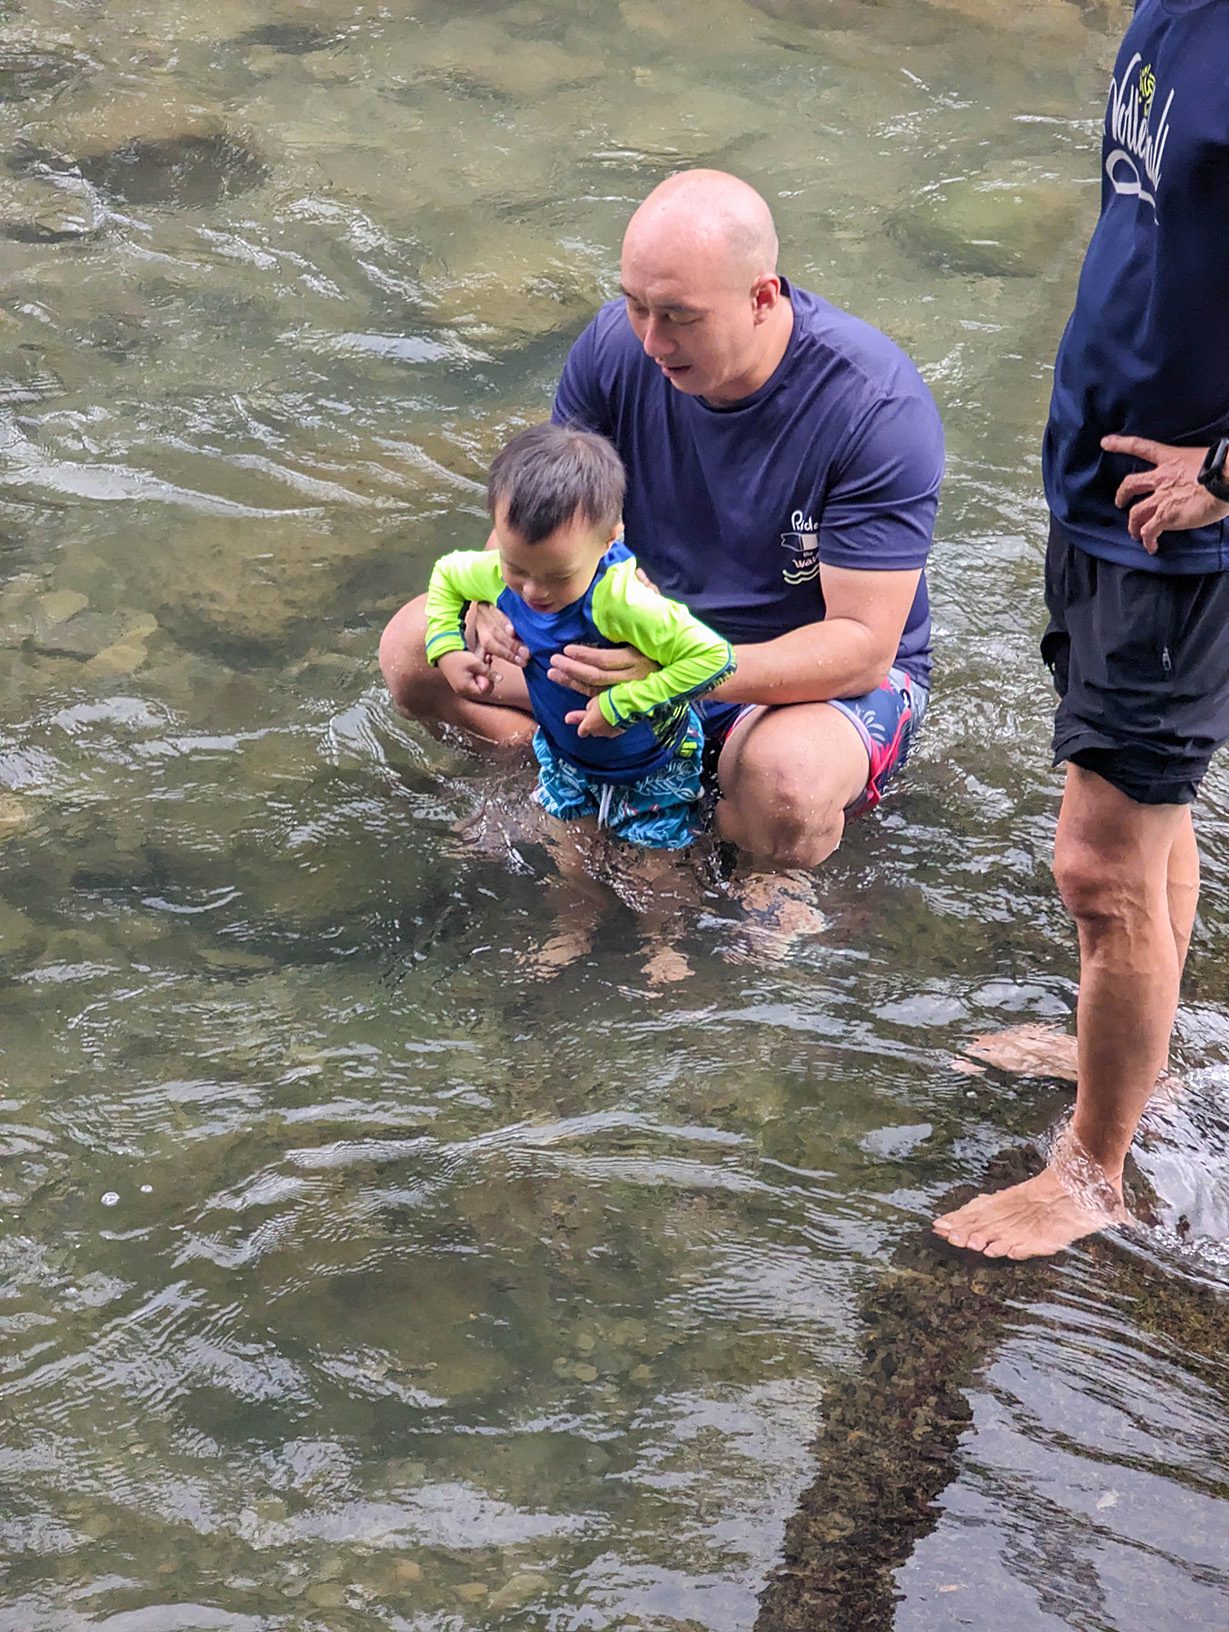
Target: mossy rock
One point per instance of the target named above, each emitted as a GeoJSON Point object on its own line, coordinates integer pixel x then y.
{"type": "Point", "coordinates": [19, 936]}
{"type": "Point", "coordinates": [1010, 226]}
{"type": "Point", "coordinates": [245, 585]}
{"type": "Point", "coordinates": [483, 56]}
{"type": "Point", "coordinates": [511, 285]}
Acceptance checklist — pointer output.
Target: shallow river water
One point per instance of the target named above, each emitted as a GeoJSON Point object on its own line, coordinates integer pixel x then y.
{"type": "Point", "coordinates": [357, 1270]}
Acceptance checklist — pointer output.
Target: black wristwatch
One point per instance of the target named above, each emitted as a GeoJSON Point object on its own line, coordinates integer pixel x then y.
{"type": "Point", "coordinates": [1212, 473]}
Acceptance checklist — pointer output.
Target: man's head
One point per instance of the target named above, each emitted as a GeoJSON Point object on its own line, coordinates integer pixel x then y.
{"type": "Point", "coordinates": [700, 278]}
{"type": "Point", "coordinates": [555, 496]}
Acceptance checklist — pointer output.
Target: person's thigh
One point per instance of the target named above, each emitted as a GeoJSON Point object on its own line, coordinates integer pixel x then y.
{"type": "Point", "coordinates": [787, 776]}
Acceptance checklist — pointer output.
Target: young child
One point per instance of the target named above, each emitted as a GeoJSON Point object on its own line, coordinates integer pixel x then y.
{"type": "Point", "coordinates": [562, 575]}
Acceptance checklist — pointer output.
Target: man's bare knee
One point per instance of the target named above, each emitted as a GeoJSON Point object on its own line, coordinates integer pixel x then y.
{"type": "Point", "coordinates": [786, 825]}
{"type": "Point", "coordinates": [805, 844]}
{"type": "Point", "coordinates": [1104, 895]}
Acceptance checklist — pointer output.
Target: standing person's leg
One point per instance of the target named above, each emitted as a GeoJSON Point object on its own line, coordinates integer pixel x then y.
{"type": "Point", "coordinates": [420, 692]}
{"type": "Point", "coordinates": [1182, 886]}
{"type": "Point", "coordinates": [1128, 874]}
{"type": "Point", "coordinates": [1138, 660]}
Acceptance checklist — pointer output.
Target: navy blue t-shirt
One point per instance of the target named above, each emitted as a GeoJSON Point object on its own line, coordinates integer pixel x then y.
{"type": "Point", "coordinates": [1146, 352]}
{"type": "Point", "coordinates": [835, 460]}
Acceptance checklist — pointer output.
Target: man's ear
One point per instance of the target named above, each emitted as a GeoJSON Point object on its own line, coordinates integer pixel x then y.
{"type": "Point", "coordinates": [765, 293]}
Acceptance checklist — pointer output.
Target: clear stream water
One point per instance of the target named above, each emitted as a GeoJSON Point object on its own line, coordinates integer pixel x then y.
{"type": "Point", "coordinates": [355, 1273]}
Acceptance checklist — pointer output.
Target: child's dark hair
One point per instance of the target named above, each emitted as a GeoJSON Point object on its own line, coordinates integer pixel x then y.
{"type": "Point", "coordinates": [548, 474]}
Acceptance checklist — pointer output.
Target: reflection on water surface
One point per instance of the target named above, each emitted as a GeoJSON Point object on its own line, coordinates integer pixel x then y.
{"type": "Point", "coordinates": [356, 1274]}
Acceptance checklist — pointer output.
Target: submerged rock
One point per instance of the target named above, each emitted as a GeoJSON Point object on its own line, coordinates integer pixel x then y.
{"type": "Point", "coordinates": [1048, 24]}
{"type": "Point", "coordinates": [1051, 21]}
{"type": "Point", "coordinates": [188, 171]}
{"type": "Point", "coordinates": [513, 284]}
{"type": "Point", "coordinates": [121, 657]}
{"type": "Point", "coordinates": [461, 155]}
{"type": "Point", "coordinates": [648, 122]}
{"type": "Point", "coordinates": [149, 147]}
{"type": "Point", "coordinates": [43, 204]}
{"type": "Point", "coordinates": [519, 1591]}
{"type": "Point", "coordinates": [1004, 226]}
{"type": "Point", "coordinates": [820, 14]}
{"type": "Point", "coordinates": [326, 1595]}
{"type": "Point", "coordinates": [18, 934]}
{"type": "Point", "coordinates": [16, 814]}
{"type": "Point", "coordinates": [486, 57]}
{"type": "Point", "coordinates": [61, 624]}
{"type": "Point", "coordinates": [289, 39]}
{"type": "Point", "coordinates": [58, 605]}
{"type": "Point", "coordinates": [245, 583]}
{"type": "Point", "coordinates": [34, 65]}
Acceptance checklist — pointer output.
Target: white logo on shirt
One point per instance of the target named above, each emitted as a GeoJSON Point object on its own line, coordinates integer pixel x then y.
{"type": "Point", "coordinates": [803, 545]}
{"type": "Point", "coordinates": [1134, 166]}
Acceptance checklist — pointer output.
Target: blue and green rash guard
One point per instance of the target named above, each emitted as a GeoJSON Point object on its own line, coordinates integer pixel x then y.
{"type": "Point", "coordinates": [834, 461]}
{"type": "Point", "coordinates": [616, 610]}
{"type": "Point", "coordinates": [1146, 352]}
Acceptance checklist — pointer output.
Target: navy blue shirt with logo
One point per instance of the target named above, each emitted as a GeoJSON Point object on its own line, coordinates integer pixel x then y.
{"type": "Point", "coordinates": [834, 461]}
{"type": "Point", "coordinates": [1146, 352]}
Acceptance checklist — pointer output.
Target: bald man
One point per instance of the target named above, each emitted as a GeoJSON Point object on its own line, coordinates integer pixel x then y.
{"type": "Point", "coordinates": [783, 465]}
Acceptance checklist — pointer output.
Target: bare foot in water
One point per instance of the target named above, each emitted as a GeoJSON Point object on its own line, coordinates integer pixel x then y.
{"type": "Point", "coordinates": [1031, 1220]}
{"type": "Point", "coordinates": [780, 911]}
{"type": "Point", "coordinates": [1069, 1199]}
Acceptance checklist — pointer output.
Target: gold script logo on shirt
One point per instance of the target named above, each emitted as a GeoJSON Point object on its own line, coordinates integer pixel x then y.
{"type": "Point", "coordinates": [1147, 87]}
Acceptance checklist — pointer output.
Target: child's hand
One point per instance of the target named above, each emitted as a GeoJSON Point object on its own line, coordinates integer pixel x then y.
{"type": "Point", "coordinates": [591, 722]}
{"type": "Point", "coordinates": [468, 675]}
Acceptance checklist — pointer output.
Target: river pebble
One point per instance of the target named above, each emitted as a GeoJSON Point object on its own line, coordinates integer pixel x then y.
{"type": "Point", "coordinates": [326, 1594]}
{"type": "Point", "coordinates": [519, 1590]}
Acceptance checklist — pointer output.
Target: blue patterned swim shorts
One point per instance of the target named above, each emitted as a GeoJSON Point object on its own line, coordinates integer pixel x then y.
{"type": "Point", "coordinates": [887, 719]}
{"type": "Point", "coordinates": [658, 812]}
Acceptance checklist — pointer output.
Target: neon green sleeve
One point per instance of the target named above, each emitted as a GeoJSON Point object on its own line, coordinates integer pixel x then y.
{"type": "Point", "coordinates": [693, 659]}
{"type": "Point", "coordinates": [457, 579]}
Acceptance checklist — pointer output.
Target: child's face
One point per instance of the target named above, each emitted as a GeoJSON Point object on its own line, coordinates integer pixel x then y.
{"type": "Point", "coordinates": [555, 571]}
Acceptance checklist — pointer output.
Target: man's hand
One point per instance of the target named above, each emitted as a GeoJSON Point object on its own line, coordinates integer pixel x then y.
{"type": "Point", "coordinates": [1167, 498]}
{"type": "Point", "coordinates": [591, 722]}
{"type": "Point", "coordinates": [494, 635]}
{"type": "Point", "coordinates": [467, 674]}
{"type": "Point", "coordinates": [590, 669]}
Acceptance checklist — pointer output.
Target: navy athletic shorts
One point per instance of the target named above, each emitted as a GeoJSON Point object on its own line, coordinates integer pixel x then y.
{"type": "Point", "coordinates": [1141, 665]}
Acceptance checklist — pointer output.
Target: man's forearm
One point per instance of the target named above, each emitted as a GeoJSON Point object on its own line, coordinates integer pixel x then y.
{"type": "Point", "coordinates": [837, 658]}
